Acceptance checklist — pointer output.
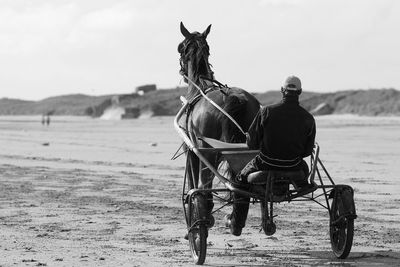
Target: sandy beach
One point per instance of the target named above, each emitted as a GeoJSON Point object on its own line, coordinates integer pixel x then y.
{"type": "Point", "coordinates": [89, 192]}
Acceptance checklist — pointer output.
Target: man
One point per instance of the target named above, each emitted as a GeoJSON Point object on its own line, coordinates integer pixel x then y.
{"type": "Point", "coordinates": [285, 134]}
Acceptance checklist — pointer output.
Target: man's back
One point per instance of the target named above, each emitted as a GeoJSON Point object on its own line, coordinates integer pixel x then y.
{"type": "Point", "coordinates": [286, 134]}
{"type": "Point", "coordinates": [287, 129]}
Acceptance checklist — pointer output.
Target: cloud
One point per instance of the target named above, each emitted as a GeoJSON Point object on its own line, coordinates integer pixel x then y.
{"type": "Point", "coordinates": [113, 18]}
{"type": "Point", "coordinates": [103, 44]}
{"type": "Point", "coordinates": [280, 3]}
{"type": "Point", "coordinates": [100, 26]}
{"type": "Point", "coordinates": [33, 28]}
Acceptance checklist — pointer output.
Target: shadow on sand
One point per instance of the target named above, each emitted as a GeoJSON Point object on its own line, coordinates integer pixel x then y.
{"type": "Point", "coordinates": [295, 258]}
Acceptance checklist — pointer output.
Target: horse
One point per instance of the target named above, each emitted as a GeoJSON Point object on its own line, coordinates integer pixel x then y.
{"type": "Point", "coordinates": [204, 119]}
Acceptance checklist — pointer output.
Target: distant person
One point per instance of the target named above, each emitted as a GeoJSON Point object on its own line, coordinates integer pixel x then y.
{"type": "Point", "coordinates": [48, 119]}
{"type": "Point", "coordinates": [43, 119]}
{"type": "Point", "coordinates": [285, 134]}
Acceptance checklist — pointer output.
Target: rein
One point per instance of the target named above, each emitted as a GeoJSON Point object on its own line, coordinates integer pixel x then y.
{"type": "Point", "coordinates": [216, 105]}
{"type": "Point", "coordinates": [220, 85]}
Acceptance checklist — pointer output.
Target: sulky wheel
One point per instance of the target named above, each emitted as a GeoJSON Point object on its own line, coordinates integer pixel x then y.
{"type": "Point", "coordinates": [198, 228]}
{"type": "Point", "coordinates": [225, 170]}
{"type": "Point", "coordinates": [341, 228]}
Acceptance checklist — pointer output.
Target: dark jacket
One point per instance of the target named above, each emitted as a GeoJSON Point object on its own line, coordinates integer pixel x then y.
{"type": "Point", "coordinates": [285, 134]}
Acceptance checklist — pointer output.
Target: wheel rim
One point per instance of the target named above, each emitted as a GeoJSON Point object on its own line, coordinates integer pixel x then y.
{"type": "Point", "coordinates": [194, 242]}
{"type": "Point", "coordinates": [198, 232]}
{"type": "Point", "coordinates": [194, 232]}
{"type": "Point", "coordinates": [341, 230]}
{"type": "Point", "coordinates": [224, 170]}
{"type": "Point", "coordinates": [339, 234]}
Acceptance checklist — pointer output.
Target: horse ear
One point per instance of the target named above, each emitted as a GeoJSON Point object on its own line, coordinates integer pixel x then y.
{"type": "Point", "coordinates": [207, 31]}
{"type": "Point", "coordinates": [185, 32]}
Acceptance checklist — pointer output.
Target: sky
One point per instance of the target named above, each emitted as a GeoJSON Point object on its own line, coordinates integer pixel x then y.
{"type": "Point", "coordinates": [96, 47]}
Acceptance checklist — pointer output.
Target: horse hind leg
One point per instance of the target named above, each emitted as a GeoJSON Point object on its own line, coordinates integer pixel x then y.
{"type": "Point", "coordinates": [205, 182]}
{"type": "Point", "coordinates": [201, 178]}
{"type": "Point", "coordinates": [192, 170]}
{"type": "Point", "coordinates": [202, 175]}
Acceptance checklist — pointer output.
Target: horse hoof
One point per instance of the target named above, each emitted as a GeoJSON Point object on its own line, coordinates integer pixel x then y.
{"type": "Point", "coordinates": [211, 221]}
{"type": "Point", "coordinates": [269, 229]}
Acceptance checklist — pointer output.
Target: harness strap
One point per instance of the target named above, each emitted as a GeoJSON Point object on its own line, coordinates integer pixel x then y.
{"type": "Point", "coordinates": [216, 105]}
{"type": "Point", "coordinates": [197, 97]}
{"type": "Point", "coordinates": [220, 85]}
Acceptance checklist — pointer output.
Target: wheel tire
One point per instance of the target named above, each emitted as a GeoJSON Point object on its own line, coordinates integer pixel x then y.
{"type": "Point", "coordinates": [341, 231]}
{"type": "Point", "coordinates": [198, 234]}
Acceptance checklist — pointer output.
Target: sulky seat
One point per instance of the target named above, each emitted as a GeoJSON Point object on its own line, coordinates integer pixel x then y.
{"type": "Point", "coordinates": [296, 178]}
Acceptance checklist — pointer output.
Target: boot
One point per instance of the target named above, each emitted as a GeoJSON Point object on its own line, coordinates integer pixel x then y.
{"type": "Point", "coordinates": [237, 231]}
{"type": "Point", "coordinates": [237, 219]}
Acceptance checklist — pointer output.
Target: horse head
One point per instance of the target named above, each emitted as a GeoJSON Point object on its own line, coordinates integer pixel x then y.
{"type": "Point", "coordinates": [194, 51]}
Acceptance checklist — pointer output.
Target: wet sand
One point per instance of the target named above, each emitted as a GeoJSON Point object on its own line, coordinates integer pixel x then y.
{"type": "Point", "coordinates": [85, 192]}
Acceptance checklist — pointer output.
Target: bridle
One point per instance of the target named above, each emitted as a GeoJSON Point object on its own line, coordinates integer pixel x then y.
{"type": "Point", "coordinates": [195, 47]}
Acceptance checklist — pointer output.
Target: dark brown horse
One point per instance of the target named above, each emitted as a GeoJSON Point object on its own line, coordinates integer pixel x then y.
{"type": "Point", "coordinates": [204, 119]}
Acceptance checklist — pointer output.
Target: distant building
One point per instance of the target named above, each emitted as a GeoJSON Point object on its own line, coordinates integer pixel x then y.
{"type": "Point", "coordinates": [131, 113]}
{"type": "Point", "coordinates": [144, 89]}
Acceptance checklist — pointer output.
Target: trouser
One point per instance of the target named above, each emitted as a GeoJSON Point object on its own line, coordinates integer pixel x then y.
{"type": "Point", "coordinates": [240, 207]}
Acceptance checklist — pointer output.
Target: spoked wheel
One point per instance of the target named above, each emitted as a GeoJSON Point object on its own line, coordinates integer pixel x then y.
{"type": "Point", "coordinates": [197, 222]}
{"type": "Point", "coordinates": [341, 228]}
{"type": "Point", "coordinates": [224, 170]}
